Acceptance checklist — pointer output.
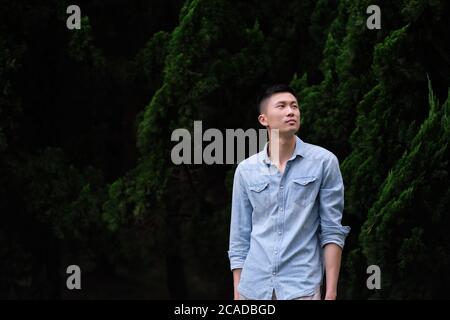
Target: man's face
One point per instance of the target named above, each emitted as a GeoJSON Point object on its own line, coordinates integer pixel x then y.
{"type": "Point", "coordinates": [280, 111]}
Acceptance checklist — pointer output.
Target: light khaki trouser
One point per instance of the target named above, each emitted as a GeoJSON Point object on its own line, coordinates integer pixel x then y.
{"type": "Point", "coordinates": [315, 296]}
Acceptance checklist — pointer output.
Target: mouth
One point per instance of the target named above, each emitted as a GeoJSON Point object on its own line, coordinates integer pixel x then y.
{"type": "Point", "coordinates": [291, 121]}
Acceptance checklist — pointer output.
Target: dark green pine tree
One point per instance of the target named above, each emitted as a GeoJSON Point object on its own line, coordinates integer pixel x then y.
{"type": "Point", "coordinates": [329, 105]}
{"type": "Point", "coordinates": [50, 208]}
{"type": "Point", "coordinates": [205, 55]}
{"type": "Point", "coordinates": [406, 231]}
{"type": "Point", "coordinates": [216, 60]}
{"type": "Point", "coordinates": [387, 118]}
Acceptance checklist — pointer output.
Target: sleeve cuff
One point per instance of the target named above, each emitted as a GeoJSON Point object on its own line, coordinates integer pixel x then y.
{"type": "Point", "coordinates": [335, 235]}
{"type": "Point", "coordinates": [236, 260]}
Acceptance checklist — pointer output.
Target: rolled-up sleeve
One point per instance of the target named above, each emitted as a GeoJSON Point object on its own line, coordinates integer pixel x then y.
{"type": "Point", "coordinates": [331, 205]}
{"type": "Point", "coordinates": [241, 223]}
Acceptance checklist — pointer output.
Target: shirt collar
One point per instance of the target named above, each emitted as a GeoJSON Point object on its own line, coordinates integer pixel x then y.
{"type": "Point", "coordinates": [298, 151]}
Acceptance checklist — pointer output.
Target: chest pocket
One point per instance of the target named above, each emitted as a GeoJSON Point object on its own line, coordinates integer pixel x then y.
{"type": "Point", "coordinates": [304, 190]}
{"type": "Point", "coordinates": [259, 195]}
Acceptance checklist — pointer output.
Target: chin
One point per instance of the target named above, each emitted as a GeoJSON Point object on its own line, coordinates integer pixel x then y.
{"type": "Point", "coordinates": [290, 131]}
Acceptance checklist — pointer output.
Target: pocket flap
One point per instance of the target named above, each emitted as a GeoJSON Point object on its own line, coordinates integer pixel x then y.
{"type": "Point", "coordinates": [259, 186]}
{"type": "Point", "coordinates": [304, 180]}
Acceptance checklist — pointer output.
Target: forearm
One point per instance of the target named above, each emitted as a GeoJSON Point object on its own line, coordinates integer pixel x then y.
{"type": "Point", "coordinates": [236, 279]}
{"type": "Point", "coordinates": [332, 262]}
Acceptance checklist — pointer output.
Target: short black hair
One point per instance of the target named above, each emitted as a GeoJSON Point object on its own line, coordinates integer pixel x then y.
{"type": "Point", "coordinates": [268, 91]}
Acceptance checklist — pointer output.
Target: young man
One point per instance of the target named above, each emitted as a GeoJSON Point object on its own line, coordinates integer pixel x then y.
{"type": "Point", "coordinates": [286, 211]}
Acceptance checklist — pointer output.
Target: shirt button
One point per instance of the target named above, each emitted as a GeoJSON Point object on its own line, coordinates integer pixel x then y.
{"type": "Point", "coordinates": [276, 251]}
{"type": "Point", "coordinates": [279, 232]}
{"type": "Point", "coordinates": [281, 209]}
{"type": "Point", "coordinates": [274, 273]}
{"type": "Point", "coordinates": [281, 187]}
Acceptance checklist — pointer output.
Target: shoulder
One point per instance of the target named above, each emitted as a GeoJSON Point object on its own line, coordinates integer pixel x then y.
{"type": "Point", "coordinates": [251, 169]}
{"type": "Point", "coordinates": [315, 152]}
{"type": "Point", "coordinates": [251, 163]}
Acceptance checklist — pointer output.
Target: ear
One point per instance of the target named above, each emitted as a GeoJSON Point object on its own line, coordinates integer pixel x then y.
{"type": "Point", "coordinates": [262, 118]}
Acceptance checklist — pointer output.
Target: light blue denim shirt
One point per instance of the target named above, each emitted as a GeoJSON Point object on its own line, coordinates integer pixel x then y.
{"type": "Point", "coordinates": [280, 222]}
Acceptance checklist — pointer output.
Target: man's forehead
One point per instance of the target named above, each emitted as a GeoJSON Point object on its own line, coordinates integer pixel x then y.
{"type": "Point", "coordinates": [283, 97]}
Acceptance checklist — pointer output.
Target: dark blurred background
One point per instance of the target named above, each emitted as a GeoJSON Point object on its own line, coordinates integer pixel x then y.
{"type": "Point", "coordinates": [86, 118]}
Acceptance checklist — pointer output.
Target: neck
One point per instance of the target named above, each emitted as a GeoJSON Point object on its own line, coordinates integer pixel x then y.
{"type": "Point", "coordinates": [284, 146]}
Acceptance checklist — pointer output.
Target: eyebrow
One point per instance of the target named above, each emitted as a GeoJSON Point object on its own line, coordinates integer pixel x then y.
{"type": "Point", "coordinates": [284, 102]}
